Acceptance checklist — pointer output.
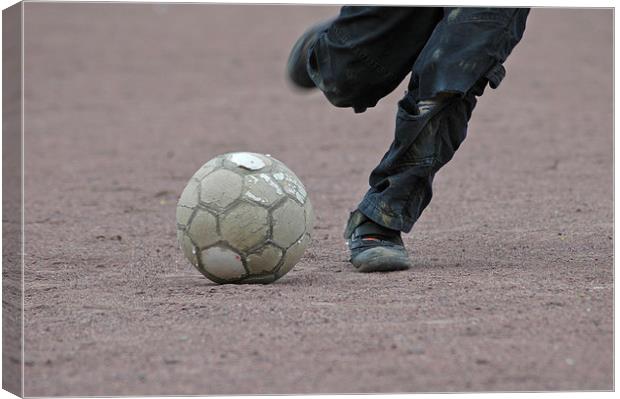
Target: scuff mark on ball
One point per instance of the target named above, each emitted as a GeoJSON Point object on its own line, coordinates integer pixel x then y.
{"type": "Point", "coordinates": [247, 161]}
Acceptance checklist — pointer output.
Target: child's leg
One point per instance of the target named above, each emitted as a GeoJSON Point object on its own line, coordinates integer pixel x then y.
{"type": "Point", "coordinates": [364, 53]}
{"type": "Point", "coordinates": [465, 51]}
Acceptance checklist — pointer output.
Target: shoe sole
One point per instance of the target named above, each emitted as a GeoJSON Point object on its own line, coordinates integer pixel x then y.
{"type": "Point", "coordinates": [381, 260]}
{"type": "Point", "coordinates": [299, 77]}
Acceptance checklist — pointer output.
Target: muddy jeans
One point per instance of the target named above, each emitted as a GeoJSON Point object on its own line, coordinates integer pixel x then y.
{"type": "Point", "coordinates": [366, 53]}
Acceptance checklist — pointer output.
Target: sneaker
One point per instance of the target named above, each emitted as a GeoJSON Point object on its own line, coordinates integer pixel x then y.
{"type": "Point", "coordinates": [298, 59]}
{"type": "Point", "coordinates": [374, 248]}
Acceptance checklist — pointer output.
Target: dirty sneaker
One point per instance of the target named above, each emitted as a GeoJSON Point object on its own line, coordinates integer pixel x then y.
{"type": "Point", "coordinates": [298, 59]}
{"type": "Point", "coordinates": [373, 247]}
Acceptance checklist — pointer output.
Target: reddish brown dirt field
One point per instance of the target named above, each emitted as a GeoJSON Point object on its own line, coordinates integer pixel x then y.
{"type": "Point", "coordinates": [513, 279]}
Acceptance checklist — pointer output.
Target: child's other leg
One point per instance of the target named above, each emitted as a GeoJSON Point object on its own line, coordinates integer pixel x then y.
{"type": "Point", "coordinates": [464, 53]}
{"type": "Point", "coordinates": [363, 54]}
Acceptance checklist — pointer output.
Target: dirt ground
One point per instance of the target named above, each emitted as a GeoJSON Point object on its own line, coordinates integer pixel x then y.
{"type": "Point", "coordinates": [513, 280]}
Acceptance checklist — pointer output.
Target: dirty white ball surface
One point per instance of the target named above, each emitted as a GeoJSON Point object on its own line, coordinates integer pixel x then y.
{"type": "Point", "coordinates": [244, 218]}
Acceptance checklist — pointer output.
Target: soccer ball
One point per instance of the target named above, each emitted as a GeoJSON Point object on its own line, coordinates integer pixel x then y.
{"type": "Point", "coordinates": [244, 218]}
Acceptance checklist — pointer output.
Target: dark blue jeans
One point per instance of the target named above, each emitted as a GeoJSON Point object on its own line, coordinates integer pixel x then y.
{"type": "Point", "coordinates": [367, 52]}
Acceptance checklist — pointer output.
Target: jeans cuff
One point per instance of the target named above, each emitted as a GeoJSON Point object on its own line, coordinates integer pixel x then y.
{"type": "Point", "coordinates": [374, 212]}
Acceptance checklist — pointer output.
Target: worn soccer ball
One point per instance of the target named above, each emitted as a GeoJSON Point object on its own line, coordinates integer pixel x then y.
{"type": "Point", "coordinates": [244, 218]}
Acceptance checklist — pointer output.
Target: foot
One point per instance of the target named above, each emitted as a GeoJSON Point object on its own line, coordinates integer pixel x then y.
{"type": "Point", "coordinates": [298, 59]}
{"type": "Point", "coordinates": [373, 247]}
